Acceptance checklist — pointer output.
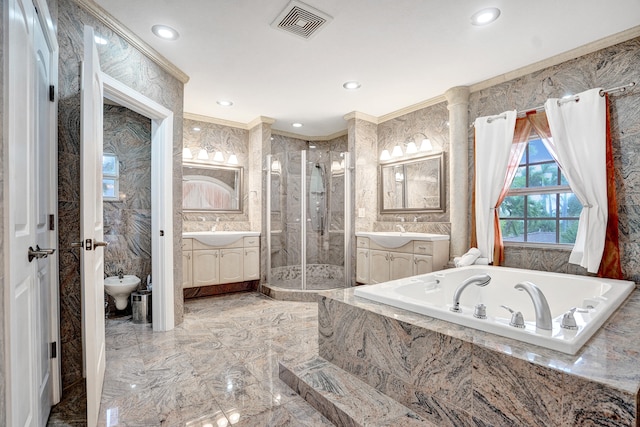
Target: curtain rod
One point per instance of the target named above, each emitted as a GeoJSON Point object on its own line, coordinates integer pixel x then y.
{"type": "Point", "coordinates": [575, 98]}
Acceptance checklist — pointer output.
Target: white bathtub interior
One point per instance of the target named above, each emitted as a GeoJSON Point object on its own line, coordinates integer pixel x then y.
{"type": "Point", "coordinates": [595, 299]}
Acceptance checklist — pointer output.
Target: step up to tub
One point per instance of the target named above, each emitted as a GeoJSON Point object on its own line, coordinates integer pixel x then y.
{"type": "Point", "coordinates": [344, 399]}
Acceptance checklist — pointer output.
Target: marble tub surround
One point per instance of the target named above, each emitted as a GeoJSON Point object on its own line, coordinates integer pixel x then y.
{"type": "Point", "coordinates": [452, 375]}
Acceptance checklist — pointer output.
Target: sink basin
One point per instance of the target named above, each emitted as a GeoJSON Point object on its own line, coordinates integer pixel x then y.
{"type": "Point", "coordinates": [395, 239]}
{"type": "Point", "coordinates": [120, 289]}
{"type": "Point", "coordinates": [218, 238]}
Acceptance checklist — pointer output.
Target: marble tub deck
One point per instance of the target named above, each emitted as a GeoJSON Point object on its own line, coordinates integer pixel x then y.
{"type": "Point", "coordinates": [457, 376]}
{"type": "Point", "coordinates": [220, 367]}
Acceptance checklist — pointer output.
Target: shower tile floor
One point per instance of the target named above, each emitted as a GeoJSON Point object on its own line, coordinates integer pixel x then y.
{"type": "Point", "coordinates": [218, 368]}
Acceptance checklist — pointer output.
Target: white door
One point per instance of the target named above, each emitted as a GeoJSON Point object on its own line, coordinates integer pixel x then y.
{"type": "Point", "coordinates": [91, 232]}
{"type": "Point", "coordinates": [31, 279]}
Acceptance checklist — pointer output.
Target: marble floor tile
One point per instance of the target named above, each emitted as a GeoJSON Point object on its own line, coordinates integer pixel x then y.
{"type": "Point", "coordinates": [219, 367]}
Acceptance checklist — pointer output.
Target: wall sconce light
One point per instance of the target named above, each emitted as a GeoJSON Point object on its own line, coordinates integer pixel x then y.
{"type": "Point", "coordinates": [203, 155]}
{"type": "Point", "coordinates": [411, 147]}
{"type": "Point", "coordinates": [396, 152]}
{"type": "Point", "coordinates": [384, 156]}
{"type": "Point", "coordinates": [233, 160]}
{"type": "Point", "coordinates": [276, 167]}
{"type": "Point", "coordinates": [218, 157]}
{"type": "Point", "coordinates": [186, 153]}
{"type": "Point", "coordinates": [426, 145]}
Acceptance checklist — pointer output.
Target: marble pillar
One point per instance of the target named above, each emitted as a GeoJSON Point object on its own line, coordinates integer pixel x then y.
{"type": "Point", "coordinates": [458, 105]}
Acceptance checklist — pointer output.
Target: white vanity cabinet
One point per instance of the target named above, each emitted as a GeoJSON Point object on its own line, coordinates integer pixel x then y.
{"type": "Point", "coordinates": [205, 265]}
{"type": "Point", "coordinates": [377, 264]}
{"type": "Point", "coordinates": [187, 263]}
{"type": "Point", "coordinates": [251, 261]}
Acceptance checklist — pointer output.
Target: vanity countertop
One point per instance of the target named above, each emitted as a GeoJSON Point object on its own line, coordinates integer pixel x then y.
{"type": "Point", "coordinates": [218, 238]}
{"type": "Point", "coordinates": [395, 239]}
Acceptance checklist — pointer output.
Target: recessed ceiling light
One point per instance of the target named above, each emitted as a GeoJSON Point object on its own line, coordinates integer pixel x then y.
{"type": "Point", "coordinates": [165, 32]}
{"type": "Point", "coordinates": [297, 125]}
{"type": "Point", "coordinates": [351, 85]}
{"type": "Point", "coordinates": [485, 16]}
{"type": "Point", "coordinates": [224, 103]}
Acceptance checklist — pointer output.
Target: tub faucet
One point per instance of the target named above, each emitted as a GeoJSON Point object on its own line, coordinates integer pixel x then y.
{"type": "Point", "coordinates": [401, 228]}
{"type": "Point", "coordinates": [540, 304]}
{"type": "Point", "coordinates": [479, 280]}
{"type": "Point", "coordinates": [120, 274]}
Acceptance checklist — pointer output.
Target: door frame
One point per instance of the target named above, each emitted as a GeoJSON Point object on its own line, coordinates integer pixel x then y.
{"type": "Point", "coordinates": [161, 195]}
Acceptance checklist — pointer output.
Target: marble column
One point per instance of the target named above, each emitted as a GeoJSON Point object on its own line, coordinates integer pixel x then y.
{"type": "Point", "coordinates": [259, 147]}
{"type": "Point", "coordinates": [458, 105]}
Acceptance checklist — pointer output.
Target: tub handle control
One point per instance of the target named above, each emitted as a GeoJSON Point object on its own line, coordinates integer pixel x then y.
{"type": "Point", "coordinates": [569, 321]}
{"type": "Point", "coordinates": [480, 311]}
{"type": "Point", "coordinates": [517, 321]}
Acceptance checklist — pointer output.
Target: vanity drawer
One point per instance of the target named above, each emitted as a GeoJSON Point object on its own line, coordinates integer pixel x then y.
{"type": "Point", "coordinates": [187, 244]}
{"type": "Point", "coordinates": [362, 242]}
{"type": "Point", "coordinates": [251, 242]}
{"type": "Point", "coordinates": [200, 246]}
{"type": "Point", "coordinates": [422, 247]}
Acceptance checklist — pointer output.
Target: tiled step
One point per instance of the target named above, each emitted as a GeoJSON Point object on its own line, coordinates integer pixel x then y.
{"type": "Point", "coordinates": [343, 398]}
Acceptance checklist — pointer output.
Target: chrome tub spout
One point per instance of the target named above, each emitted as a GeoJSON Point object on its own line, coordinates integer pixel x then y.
{"type": "Point", "coordinates": [479, 280]}
{"type": "Point", "coordinates": [540, 304]}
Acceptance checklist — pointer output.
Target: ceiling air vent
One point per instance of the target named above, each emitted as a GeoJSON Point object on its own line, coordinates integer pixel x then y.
{"type": "Point", "coordinates": [301, 19]}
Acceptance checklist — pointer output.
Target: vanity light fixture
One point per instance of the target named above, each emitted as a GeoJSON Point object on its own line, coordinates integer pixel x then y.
{"type": "Point", "coordinates": [426, 145]}
{"type": "Point", "coordinates": [186, 153]}
{"type": "Point", "coordinates": [384, 156]}
{"type": "Point", "coordinates": [196, 129]}
{"type": "Point", "coordinates": [233, 159]}
{"type": "Point", "coordinates": [351, 85]}
{"type": "Point", "coordinates": [218, 157]}
{"type": "Point", "coordinates": [224, 103]}
{"type": "Point", "coordinates": [485, 16]}
{"type": "Point", "coordinates": [297, 125]}
{"type": "Point", "coordinates": [411, 147]}
{"type": "Point", "coordinates": [165, 32]}
{"type": "Point", "coordinates": [203, 155]}
{"type": "Point", "coordinates": [396, 152]}
{"type": "Point", "coordinates": [276, 167]}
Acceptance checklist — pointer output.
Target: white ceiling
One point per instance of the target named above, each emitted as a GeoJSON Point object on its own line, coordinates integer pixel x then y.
{"type": "Point", "coordinates": [402, 51]}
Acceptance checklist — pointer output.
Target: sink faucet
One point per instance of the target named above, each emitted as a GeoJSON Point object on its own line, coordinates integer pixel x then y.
{"type": "Point", "coordinates": [540, 304]}
{"type": "Point", "coordinates": [401, 228]}
{"type": "Point", "coordinates": [215, 226]}
{"type": "Point", "coordinates": [479, 280]}
{"type": "Point", "coordinates": [120, 274]}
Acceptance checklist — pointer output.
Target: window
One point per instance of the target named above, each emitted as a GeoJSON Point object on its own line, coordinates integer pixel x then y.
{"type": "Point", "coordinates": [110, 177]}
{"type": "Point", "coordinates": [540, 207]}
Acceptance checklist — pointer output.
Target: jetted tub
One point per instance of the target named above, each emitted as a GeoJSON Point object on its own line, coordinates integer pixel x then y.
{"type": "Point", "coordinates": [595, 299]}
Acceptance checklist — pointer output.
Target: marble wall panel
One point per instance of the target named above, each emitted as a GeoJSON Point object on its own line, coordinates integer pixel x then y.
{"type": "Point", "coordinates": [127, 221]}
{"type": "Point", "coordinates": [363, 144]}
{"type": "Point", "coordinates": [606, 68]}
{"type": "Point", "coordinates": [128, 65]}
{"type": "Point", "coordinates": [228, 140]}
{"type": "Point", "coordinates": [432, 121]}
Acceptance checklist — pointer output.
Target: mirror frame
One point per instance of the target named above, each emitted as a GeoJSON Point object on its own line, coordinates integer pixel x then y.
{"type": "Point", "coordinates": [240, 189]}
{"type": "Point", "coordinates": [439, 157]}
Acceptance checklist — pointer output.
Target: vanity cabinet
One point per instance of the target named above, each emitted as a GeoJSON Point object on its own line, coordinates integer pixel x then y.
{"type": "Point", "coordinates": [377, 264]}
{"type": "Point", "coordinates": [187, 263]}
{"type": "Point", "coordinates": [205, 265]}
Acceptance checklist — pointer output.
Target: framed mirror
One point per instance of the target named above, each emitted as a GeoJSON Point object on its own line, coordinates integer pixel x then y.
{"type": "Point", "coordinates": [211, 188]}
{"type": "Point", "coordinates": [414, 185]}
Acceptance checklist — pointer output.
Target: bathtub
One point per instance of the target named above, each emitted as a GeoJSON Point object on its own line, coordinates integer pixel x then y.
{"type": "Point", "coordinates": [595, 299]}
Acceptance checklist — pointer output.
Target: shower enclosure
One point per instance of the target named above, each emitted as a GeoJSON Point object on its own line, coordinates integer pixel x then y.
{"type": "Point", "coordinates": [308, 225]}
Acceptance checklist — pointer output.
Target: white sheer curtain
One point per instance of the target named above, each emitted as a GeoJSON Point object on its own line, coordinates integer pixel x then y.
{"type": "Point", "coordinates": [579, 131]}
{"type": "Point", "coordinates": [494, 137]}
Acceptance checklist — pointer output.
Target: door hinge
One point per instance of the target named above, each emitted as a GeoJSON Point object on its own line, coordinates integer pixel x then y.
{"type": "Point", "coordinates": [52, 222]}
{"type": "Point", "coordinates": [54, 349]}
{"type": "Point", "coordinates": [52, 93]}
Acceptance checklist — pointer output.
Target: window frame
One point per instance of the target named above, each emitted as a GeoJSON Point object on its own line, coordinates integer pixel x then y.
{"type": "Point", "coordinates": [112, 176]}
{"type": "Point", "coordinates": [558, 190]}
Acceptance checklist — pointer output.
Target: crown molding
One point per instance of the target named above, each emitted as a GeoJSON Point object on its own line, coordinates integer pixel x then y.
{"type": "Point", "coordinates": [586, 49]}
{"type": "Point", "coordinates": [116, 26]}
{"type": "Point", "coordinates": [412, 108]}
{"type": "Point", "coordinates": [362, 116]}
{"type": "Point", "coordinates": [260, 120]}
{"type": "Point", "coordinates": [216, 121]}
{"type": "Point", "coordinates": [309, 138]}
